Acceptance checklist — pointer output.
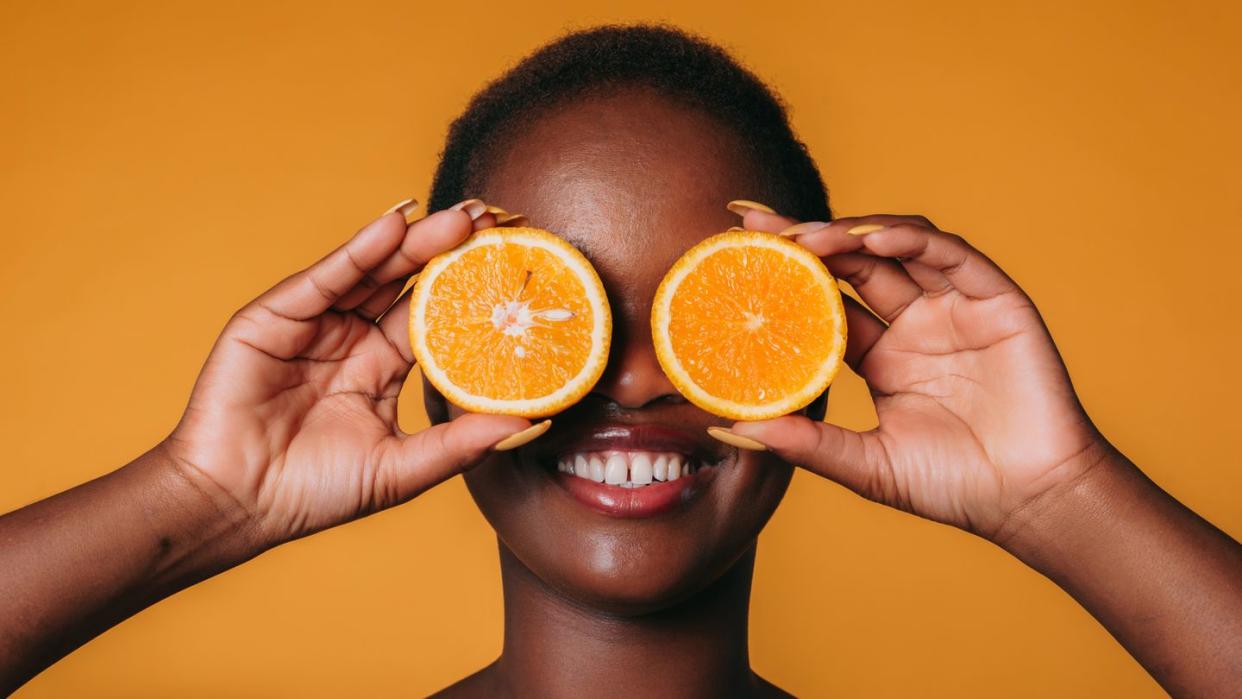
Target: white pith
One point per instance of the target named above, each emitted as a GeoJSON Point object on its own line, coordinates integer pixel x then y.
{"type": "Point", "coordinates": [677, 372]}
{"type": "Point", "coordinates": [514, 318]}
{"type": "Point", "coordinates": [515, 321]}
{"type": "Point", "coordinates": [628, 469]}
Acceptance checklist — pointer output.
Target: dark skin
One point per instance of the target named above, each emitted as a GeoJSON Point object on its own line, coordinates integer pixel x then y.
{"type": "Point", "coordinates": [635, 587]}
{"type": "Point", "coordinates": [292, 429]}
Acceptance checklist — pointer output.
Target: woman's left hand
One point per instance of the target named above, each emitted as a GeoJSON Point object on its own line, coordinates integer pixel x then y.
{"type": "Point", "coordinates": [978, 420]}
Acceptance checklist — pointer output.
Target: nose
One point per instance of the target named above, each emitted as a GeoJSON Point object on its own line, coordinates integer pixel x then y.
{"type": "Point", "coordinates": [633, 377]}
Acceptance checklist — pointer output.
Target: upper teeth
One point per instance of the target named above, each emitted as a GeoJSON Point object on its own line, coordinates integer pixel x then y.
{"type": "Point", "coordinates": [629, 469]}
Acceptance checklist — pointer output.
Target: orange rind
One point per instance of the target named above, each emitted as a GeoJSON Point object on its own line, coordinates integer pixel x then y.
{"type": "Point", "coordinates": [749, 325]}
{"type": "Point", "coordinates": [513, 321]}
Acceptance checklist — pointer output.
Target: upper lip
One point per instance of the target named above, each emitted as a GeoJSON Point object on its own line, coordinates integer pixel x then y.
{"type": "Point", "coordinates": [627, 436]}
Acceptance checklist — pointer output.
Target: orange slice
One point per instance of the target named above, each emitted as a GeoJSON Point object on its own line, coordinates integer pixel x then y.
{"type": "Point", "coordinates": [749, 325]}
{"type": "Point", "coordinates": [513, 321]}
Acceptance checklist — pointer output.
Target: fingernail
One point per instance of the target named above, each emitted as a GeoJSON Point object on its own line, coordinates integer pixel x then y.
{"type": "Point", "coordinates": [735, 229]}
{"type": "Point", "coordinates": [504, 218]}
{"type": "Point", "coordinates": [526, 436]}
{"type": "Point", "coordinates": [742, 206]}
{"type": "Point", "coordinates": [865, 228]}
{"type": "Point", "coordinates": [512, 220]}
{"type": "Point", "coordinates": [803, 228]}
{"type": "Point", "coordinates": [473, 207]}
{"type": "Point", "coordinates": [407, 207]}
{"type": "Point", "coordinates": [736, 440]}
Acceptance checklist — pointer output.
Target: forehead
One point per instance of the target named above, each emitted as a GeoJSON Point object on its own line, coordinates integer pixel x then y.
{"type": "Point", "coordinates": [632, 178]}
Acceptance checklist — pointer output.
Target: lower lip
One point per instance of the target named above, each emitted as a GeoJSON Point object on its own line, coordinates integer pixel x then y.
{"type": "Point", "coordinates": [644, 501]}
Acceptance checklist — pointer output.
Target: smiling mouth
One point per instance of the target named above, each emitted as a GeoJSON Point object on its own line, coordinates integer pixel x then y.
{"type": "Point", "coordinates": [628, 469]}
{"type": "Point", "coordinates": [632, 470]}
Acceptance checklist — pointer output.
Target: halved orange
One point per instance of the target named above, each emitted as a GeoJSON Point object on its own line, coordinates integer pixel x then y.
{"type": "Point", "coordinates": [749, 325]}
{"type": "Point", "coordinates": [512, 321]}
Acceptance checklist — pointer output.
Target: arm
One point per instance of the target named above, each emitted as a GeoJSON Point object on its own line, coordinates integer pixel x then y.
{"type": "Point", "coordinates": [76, 564]}
{"type": "Point", "coordinates": [1161, 579]}
{"type": "Point", "coordinates": [291, 429]}
{"type": "Point", "coordinates": [980, 428]}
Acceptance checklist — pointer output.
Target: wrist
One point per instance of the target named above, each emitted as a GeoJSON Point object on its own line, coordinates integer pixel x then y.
{"type": "Point", "coordinates": [1075, 515]}
{"type": "Point", "coordinates": [199, 528]}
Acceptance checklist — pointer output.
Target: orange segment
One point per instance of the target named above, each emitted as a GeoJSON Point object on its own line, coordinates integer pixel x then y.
{"type": "Point", "coordinates": [749, 325]}
{"type": "Point", "coordinates": [513, 321]}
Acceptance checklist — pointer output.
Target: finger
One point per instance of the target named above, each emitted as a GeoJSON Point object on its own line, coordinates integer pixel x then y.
{"type": "Point", "coordinates": [884, 220]}
{"type": "Point", "coordinates": [394, 317]}
{"type": "Point", "coordinates": [395, 324]}
{"type": "Point", "coordinates": [854, 459]}
{"type": "Point", "coordinates": [927, 279]}
{"type": "Point", "coordinates": [863, 331]}
{"type": "Point", "coordinates": [842, 235]}
{"type": "Point", "coordinates": [882, 283]}
{"type": "Point", "coordinates": [512, 220]}
{"type": "Point", "coordinates": [315, 289]}
{"type": "Point", "coordinates": [365, 289]}
{"type": "Point", "coordinates": [864, 328]}
{"type": "Point", "coordinates": [428, 237]}
{"type": "Point", "coordinates": [768, 222]}
{"type": "Point", "coordinates": [375, 292]}
{"type": "Point", "coordinates": [485, 221]}
{"type": "Point", "coordinates": [935, 260]}
{"type": "Point", "coordinates": [408, 465]}
{"type": "Point", "coordinates": [759, 217]}
{"type": "Point", "coordinates": [368, 286]}
{"type": "Point", "coordinates": [965, 268]}
{"type": "Point", "coordinates": [930, 280]}
{"type": "Point", "coordinates": [892, 290]}
{"type": "Point", "coordinates": [507, 219]}
{"type": "Point", "coordinates": [381, 300]}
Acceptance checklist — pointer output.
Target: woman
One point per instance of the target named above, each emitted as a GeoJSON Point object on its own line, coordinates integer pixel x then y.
{"type": "Point", "coordinates": [628, 142]}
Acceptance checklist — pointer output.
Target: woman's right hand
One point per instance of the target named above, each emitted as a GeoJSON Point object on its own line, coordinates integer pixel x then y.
{"type": "Point", "coordinates": [293, 420]}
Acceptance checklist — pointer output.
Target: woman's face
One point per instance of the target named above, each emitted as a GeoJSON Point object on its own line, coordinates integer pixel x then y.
{"type": "Point", "coordinates": [633, 180]}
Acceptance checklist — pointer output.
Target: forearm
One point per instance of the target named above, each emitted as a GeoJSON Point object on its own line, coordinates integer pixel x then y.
{"type": "Point", "coordinates": [75, 564]}
{"type": "Point", "coordinates": [1163, 581]}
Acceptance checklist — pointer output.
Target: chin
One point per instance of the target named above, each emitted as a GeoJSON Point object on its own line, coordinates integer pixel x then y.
{"type": "Point", "coordinates": [628, 517]}
{"type": "Point", "coordinates": [638, 581]}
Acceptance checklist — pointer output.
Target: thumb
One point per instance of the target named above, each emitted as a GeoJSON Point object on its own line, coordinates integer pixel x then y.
{"type": "Point", "coordinates": [412, 464]}
{"type": "Point", "coordinates": [856, 460]}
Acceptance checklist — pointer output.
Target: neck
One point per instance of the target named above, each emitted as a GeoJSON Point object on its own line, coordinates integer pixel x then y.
{"type": "Point", "coordinates": [556, 647]}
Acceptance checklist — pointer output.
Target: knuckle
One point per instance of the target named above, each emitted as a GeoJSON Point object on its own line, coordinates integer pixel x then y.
{"type": "Point", "coordinates": [864, 273]}
{"type": "Point", "coordinates": [956, 239]}
{"type": "Point", "coordinates": [245, 317]}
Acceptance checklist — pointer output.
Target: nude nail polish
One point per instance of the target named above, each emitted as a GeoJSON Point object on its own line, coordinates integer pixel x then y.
{"type": "Point", "coordinates": [804, 228]}
{"type": "Point", "coordinates": [742, 206]}
{"type": "Point", "coordinates": [473, 208]}
{"type": "Point", "coordinates": [865, 228]}
{"type": "Point", "coordinates": [525, 436]}
{"type": "Point", "coordinates": [512, 220]}
{"type": "Point", "coordinates": [406, 207]}
{"type": "Point", "coordinates": [736, 440]}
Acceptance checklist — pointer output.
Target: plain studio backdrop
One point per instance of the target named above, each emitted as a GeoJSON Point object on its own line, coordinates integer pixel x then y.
{"type": "Point", "coordinates": [163, 163]}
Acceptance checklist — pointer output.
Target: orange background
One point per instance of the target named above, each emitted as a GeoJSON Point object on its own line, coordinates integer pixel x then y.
{"type": "Point", "coordinates": [162, 166]}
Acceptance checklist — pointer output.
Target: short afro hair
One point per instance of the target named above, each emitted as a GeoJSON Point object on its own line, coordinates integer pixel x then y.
{"type": "Point", "coordinates": [670, 61]}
